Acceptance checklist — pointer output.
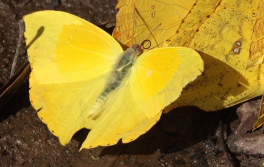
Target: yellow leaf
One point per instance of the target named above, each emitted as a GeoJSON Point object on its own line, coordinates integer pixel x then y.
{"type": "Point", "coordinates": [81, 78]}
{"type": "Point", "coordinates": [220, 30]}
{"type": "Point", "coordinates": [131, 28]}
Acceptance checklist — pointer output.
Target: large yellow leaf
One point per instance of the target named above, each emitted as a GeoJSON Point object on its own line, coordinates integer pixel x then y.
{"type": "Point", "coordinates": [228, 34]}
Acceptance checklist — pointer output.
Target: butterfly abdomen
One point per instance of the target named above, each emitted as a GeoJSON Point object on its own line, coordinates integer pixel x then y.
{"type": "Point", "coordinates": [119, 72]}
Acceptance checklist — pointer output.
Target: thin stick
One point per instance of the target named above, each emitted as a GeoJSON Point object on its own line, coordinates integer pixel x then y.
{"type": "Point", "coordinates": [134, 25]}
{"type": "Point", "coordinates": [20, 37]}
{"type": "Point", "coordinates": [260, 120]}
{"type": "Point", "coordinates": [147, 26]}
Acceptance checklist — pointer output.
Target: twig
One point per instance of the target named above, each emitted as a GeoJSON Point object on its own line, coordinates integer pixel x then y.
{"type": "Point", "coordinates": [20, 37]}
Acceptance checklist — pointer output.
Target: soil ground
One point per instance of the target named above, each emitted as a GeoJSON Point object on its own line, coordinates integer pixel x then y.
{"type": "Point", "coordinates": [184, 137]}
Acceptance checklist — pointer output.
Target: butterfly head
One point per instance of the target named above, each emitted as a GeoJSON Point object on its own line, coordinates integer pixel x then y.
{"type": "Point", "coordinates": [138, 49]}
{"type": "Point", "coordinates": [146, 44]}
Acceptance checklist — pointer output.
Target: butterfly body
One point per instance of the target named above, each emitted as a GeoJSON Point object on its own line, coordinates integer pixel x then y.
{"type": "Point", "coordinates": [119, 72]}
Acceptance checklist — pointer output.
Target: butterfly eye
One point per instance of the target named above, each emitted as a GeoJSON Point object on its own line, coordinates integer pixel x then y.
{"type": "Point", "coordinates": [146, 44]}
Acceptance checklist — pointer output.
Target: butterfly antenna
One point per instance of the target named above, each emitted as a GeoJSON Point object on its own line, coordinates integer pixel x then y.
{"type": "Point", "coordinates": [136, 10]}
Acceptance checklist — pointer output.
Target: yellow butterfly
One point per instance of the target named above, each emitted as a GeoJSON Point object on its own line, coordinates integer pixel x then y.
{"type": "Point", "coordinates": [82, 78]}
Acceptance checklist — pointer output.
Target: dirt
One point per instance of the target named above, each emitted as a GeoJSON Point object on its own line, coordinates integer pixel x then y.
{"type": "Point", "coordinates": [184, 137]}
